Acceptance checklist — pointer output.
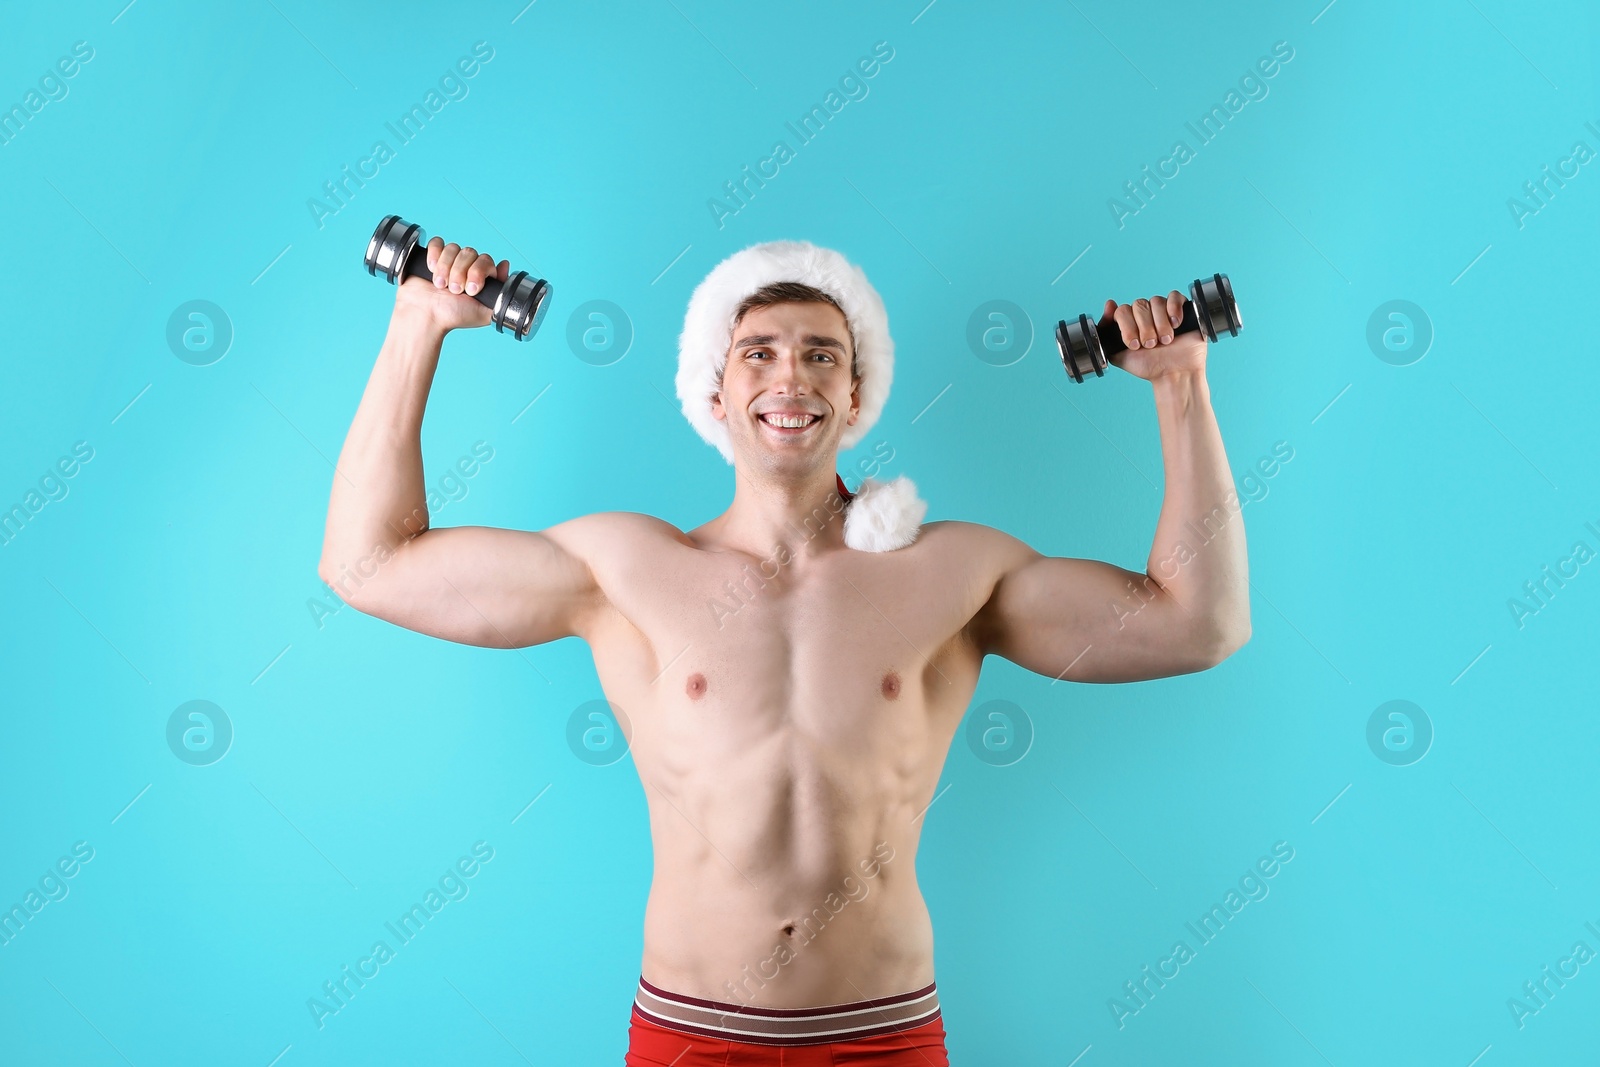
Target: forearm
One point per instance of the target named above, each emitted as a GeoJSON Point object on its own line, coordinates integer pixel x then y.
{"type": "Point", "coordinates": [1198, 556]}
{"type": "Point", "coordinates": [378, 500]}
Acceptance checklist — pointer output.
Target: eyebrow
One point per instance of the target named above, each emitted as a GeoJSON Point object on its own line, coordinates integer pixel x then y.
{"type": "Point", "coordinates": [813, 341]}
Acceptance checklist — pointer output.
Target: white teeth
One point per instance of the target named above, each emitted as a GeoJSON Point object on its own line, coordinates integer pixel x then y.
{"type": "Point", "coordinates": [792, 423]}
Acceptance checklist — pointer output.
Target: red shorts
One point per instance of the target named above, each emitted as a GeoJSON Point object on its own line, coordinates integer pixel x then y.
{"type": "Point", "coordinates": [671, 1030]}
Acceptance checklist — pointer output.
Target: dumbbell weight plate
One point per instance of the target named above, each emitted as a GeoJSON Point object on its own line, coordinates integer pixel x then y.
{"type": "Point", "coordinates": [391, 245]}
{"type": "Point", "coordinates": [1216, 310]}
{"type": "Point", "coordinates": [1081, 351]}
{"type": "Point", "coordinates": [520, 304]}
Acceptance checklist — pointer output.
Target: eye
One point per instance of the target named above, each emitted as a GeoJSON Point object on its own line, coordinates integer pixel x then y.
{"type": "Point", "coordinates": [764, 352]}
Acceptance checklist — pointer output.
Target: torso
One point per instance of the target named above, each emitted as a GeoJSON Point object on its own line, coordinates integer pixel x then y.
{"type": "Point", "coordinates": [788, 743]}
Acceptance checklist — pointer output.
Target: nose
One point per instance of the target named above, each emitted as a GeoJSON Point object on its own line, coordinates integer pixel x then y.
{"type": "Point", "coordinates": [787, 377]}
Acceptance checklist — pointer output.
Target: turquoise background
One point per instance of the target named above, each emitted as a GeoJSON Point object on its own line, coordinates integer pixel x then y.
{"type": "Point", "coordinates": [365, 759]}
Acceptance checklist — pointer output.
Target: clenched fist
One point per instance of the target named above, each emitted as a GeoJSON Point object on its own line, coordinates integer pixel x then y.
{"type": "Point", "coordinates": [458, 273]}
{"type": "Point", "coordinates": [1153, 349]}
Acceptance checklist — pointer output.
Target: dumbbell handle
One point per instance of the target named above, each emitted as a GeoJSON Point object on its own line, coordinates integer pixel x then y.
{"type": "Point", "coordinates": [416, 266]}
{"type": "Point", "coordinates": [1111, 334]}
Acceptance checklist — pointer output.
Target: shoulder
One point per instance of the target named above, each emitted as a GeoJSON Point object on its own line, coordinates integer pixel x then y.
{"type": "Point", "coordinates": [602, 533]}
{"type": "Point", "coordinates": [619, 551]}
{"type": "Point", "coordinates": [984, 546]}
{"type": "Point", "coordinates": [981, 556]}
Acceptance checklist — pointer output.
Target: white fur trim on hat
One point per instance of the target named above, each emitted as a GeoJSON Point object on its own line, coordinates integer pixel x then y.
{"type": "Point", "coordinates": [882, 516]}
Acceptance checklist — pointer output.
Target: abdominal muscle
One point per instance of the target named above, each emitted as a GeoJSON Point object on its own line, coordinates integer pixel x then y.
{"type": "Point", "coordinates": [794, 896]}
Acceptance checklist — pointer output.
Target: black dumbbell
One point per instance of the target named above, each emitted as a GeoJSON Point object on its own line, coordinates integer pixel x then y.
{"type": "Point", "coordinates": [1087, 346]}
{"type": "Point", "coordinates": [398, 251]}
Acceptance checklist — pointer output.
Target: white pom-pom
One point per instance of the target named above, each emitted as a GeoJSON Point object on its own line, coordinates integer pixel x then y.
{"type": "Point", "coordinates": [884, 516]}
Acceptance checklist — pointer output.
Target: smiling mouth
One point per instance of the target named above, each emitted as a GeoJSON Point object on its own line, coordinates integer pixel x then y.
{"type": "Point", "coordinates": [789, 424]}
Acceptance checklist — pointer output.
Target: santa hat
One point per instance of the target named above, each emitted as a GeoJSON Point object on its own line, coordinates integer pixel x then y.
{"type": "Point", "coordinates": [879, 516]}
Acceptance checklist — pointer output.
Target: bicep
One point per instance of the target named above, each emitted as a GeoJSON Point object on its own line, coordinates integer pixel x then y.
{"type": "Point", "coordinates": [1086, 621]}
{"type": "Point", "coordinates": [480, 585]}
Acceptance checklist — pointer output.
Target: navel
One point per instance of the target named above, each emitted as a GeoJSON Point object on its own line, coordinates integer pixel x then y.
{"type": "Point", "coordinates": [695, 686]}
{"type": "Point", "coordinates": [891, 685]}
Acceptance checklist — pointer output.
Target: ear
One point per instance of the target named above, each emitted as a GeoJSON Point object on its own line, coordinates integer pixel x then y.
{"type": "Point", "coordinates": [855, 402]}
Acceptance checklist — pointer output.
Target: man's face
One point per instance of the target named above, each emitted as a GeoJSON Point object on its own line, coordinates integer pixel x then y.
{"type": "Point", "coordinates": [788, 360]}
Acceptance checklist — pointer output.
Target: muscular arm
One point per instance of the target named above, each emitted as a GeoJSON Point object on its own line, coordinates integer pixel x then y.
{"type": "Point", "coordinates": [1088, 621]}
{"type": "Point", "coordinates": [475, 585]}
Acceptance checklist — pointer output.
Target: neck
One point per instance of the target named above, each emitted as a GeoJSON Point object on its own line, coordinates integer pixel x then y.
{"type": "Point", "coordinates": [804, 515]}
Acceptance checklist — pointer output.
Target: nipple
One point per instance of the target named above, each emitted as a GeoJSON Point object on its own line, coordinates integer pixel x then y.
{"type": "Point", "coordinates": [695, 686]}
{"type": "Point", "coordinates": [891, 685]}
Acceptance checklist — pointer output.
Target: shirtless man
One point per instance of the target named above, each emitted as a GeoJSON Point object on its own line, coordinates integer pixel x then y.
{"type": "Point", "coordinates": [791, 673]}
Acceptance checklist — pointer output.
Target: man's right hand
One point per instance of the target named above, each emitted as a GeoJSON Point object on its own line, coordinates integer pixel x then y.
{"type": "Point", "coordinates": [458, 273]}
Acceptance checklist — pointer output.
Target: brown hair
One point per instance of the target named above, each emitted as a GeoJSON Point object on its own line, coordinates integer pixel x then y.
{"type": "Point", "coordinates": [792, 293]}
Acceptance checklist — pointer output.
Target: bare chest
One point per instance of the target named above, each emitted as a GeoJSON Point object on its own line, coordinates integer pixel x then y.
{"type": "Point", "coordinates": [856, 654]}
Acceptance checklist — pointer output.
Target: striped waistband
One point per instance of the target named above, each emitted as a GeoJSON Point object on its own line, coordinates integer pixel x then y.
{"type": "Point", "coordinates": [787, 1026]}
